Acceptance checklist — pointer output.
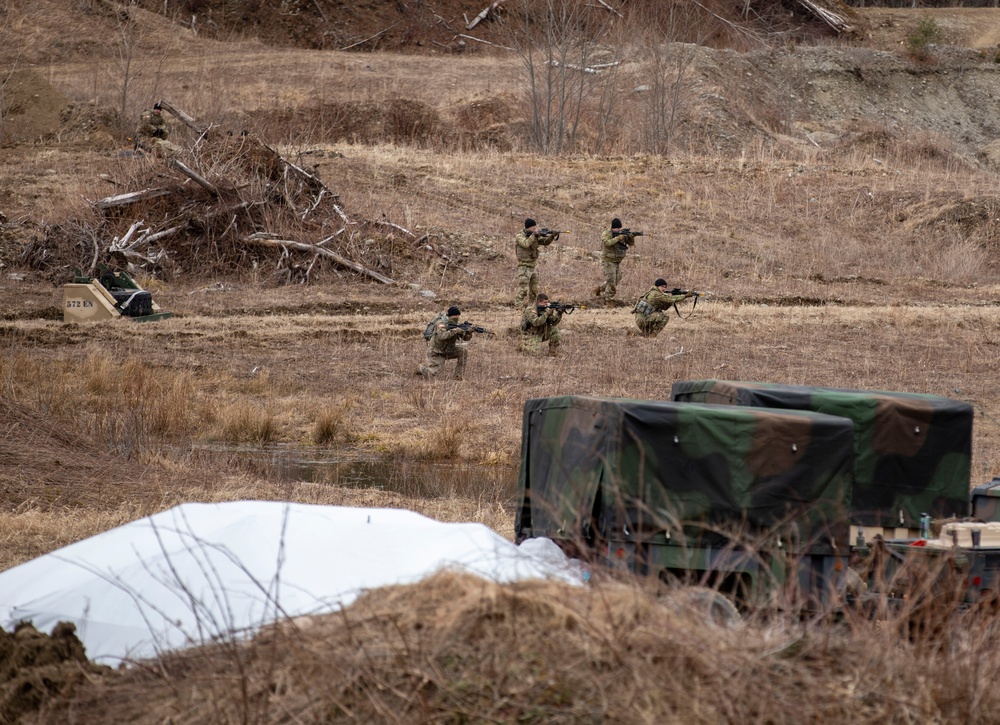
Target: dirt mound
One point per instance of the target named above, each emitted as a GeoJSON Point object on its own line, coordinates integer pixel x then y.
{"type": "Point", "coordinates": [30, 109]}
{"type": "Point", "coordinates": [35, 667]}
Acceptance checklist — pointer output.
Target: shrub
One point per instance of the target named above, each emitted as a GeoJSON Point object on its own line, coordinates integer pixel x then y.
{"type": "Point", "coordinates": [928, 33]}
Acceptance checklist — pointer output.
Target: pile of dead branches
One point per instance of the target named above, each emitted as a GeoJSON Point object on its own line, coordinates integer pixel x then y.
{"type": "Point", "coordinates": [227, 203]}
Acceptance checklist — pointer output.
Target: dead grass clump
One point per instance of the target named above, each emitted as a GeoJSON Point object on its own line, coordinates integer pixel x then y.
{"type": "Point", "coordinates": [246, 423]}
{"type": "Point", "coordinates": [445, 440]}
{"type": "Point", "coordinates": [332, 426]}
{"type": "Point", "coordinates": [132, 406]}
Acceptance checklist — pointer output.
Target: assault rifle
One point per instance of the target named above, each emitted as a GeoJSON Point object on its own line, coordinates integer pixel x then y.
{"type": "Point", "coordinates": [626, 231]}
{"type": "Point", "coordinates": [546, 232]}
{"type": "Point", "coordinates": [565, 307]}
{"type": "Point", "coordinates": [678, 291]}
{"type": "Point", "coordinates": [469, 327]}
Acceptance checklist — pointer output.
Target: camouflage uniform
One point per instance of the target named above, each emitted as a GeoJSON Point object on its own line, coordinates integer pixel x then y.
{"type": "Point", "coordinates": [612, 253]}
{"type": "Point", "coordinates": [652, 309]}
{"type": "Point", "coordinates": [538, 326]}
{"type": "Point", "coordinates": [152, 135]}
{"type": "Point", "coordinates": [526, 248]}
{"type": "Point", "coordinates": [153, 125]}
{"type": "Point", "coordinates": [445, 345]}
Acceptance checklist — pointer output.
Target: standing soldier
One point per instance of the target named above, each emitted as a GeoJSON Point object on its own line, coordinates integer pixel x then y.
{"type": "Point", "coordinates": [448, 342]}
{"type": "Point", "coordinates": [539, 325]}
{"type": "Point", "coordinates": [526, 245]}
{"type": "Point", "coordinates": [614, 243]}
{"type": "Point", "coordinates": [652, 308]}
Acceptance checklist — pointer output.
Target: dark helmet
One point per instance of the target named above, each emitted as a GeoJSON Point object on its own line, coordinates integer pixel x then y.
{"type": "Point", "coordinates": [660, 283]}
{"type": "Point", "coordinates": [528, 223]}
{"type": "Point", "coordinates": [455, 312]}
{"type": "Point", "coordinates": [541, 297]}
{"type": "Point", "coordinates": [616, 223]}
{"type": "Point", "coordinates": [157, 106]}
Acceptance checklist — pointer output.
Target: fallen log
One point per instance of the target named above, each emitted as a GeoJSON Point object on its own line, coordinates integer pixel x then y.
{"type": "Point", "coordinates": [486, 42]}
{"type": "Point", "coordinates": [483, 15]}
{"type": "Point", "coordinates": [196, 177]}
{"type": "Point", "coordinates": [267, 240]}
{"type": "Point", "coordinates": [184, 118]}
{"type": "Point", "coordinates": [838, 21]}
{"type": "Point", "coordinates": [109, 202]}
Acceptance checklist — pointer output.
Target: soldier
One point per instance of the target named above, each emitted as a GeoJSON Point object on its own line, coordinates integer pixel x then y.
{"type": "Point", "coordinates": [153, 132]}
{"type": "Point", "coordinates": [651, 310]}
{"type": "Point", "coordinates": [614, 244]}
{"type": "Point", "coordinates": [447, 344]}
{"type": "Point", "coordinates": [526, 245]}
{"type": "Point", "coordinates": [539, 325]}
{"type": "Point", "coordinates": [152, 124]}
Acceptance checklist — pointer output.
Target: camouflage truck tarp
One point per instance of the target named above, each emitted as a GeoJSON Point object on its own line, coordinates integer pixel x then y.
{"type": "Point", "coordinates": [660, 471]}
{"type": "Point", "coordinates": [912, 452]}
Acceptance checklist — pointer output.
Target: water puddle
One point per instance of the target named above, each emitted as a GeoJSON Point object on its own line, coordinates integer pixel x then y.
{"type": "Point", "coordinates": [408, 477]}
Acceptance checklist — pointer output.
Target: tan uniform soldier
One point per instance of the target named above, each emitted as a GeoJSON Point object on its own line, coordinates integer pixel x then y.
{"type": "Point", "coordinates": [152, 133]}
{"type": "Point", "coordinates": [539, 324]}
{"type": "Point", "coordinates": [526, 245]}
{"type": "Point", "coordinates": [152, 124]}
{"type": "Point", "coordinates": [651, 311]}
{"type": "Point", "coordinates": [614, 244]}
{"type": "Point", "coordinates": [447, 343]}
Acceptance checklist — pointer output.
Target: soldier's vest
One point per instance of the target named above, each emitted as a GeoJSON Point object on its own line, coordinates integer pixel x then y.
{"type": "Point", "coordinates": [529, 255]}
{"type": "Point", "coordinates": [644, 308]}
{"type": "Point", "coordinates": [615, 253]}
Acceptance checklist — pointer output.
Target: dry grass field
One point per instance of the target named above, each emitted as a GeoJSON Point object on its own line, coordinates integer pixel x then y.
{"type": "Point", "coordinates": [838, 246]}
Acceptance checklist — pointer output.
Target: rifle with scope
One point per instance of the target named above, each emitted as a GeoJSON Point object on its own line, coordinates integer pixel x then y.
{"type": "Point", "coordinates": [469, 327]}
{"type": "Point", "coordinates": [621, 232]}
{"type": "Point", "coordinates": [565, 308]}
{"type": "Point", "coordinates": [547, 232]}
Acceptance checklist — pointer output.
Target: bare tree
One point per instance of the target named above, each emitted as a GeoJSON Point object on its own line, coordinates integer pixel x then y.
{"type": "Point", "coordinates": [665, 96]}
{"type": "Point", "coordinates": [552, 40]}
{"type": "Point", "coordinates": [134, 71]}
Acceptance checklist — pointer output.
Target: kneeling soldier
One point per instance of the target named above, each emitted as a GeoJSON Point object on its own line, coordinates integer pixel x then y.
{"type": "Point", "coordinates": [447, 343]}
{"type": "Point", "coordinates": [653, 307]}
{"type": "Point", "coordinates": [539, 325]}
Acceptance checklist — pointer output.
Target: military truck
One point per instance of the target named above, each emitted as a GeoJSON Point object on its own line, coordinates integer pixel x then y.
{"type": "Point", "coordinates": [912, 452]}
{"type": "Point", "coordinates": [752, 501]}
{"type": "Point", "coordinates": [760, 490]}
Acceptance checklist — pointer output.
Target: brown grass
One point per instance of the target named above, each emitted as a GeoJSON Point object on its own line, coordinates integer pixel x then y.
{"type": "Point", "coordinates": [457, 648]}
{"type": "Point", "coordinates": [866, 265]}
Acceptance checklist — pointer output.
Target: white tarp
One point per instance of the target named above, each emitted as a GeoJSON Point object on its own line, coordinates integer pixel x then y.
{"type": "Point", "coordinates": [201, 571]}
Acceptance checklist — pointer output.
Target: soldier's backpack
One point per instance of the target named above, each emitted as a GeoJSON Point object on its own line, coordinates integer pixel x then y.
{"type": "Point", "coordinates": [429, 330]}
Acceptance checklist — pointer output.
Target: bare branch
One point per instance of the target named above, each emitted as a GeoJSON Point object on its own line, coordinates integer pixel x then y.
{"type": "Point", "coordinates": [196, 177]}
{"type": "Point", "coordinates": [132, 197]}
{"type": "Point", "coordinates": [372, 37]}
{"type": "Point", "coordinates": [267, 240]}
{"type": "Point", "coordinates": [483, 15]}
